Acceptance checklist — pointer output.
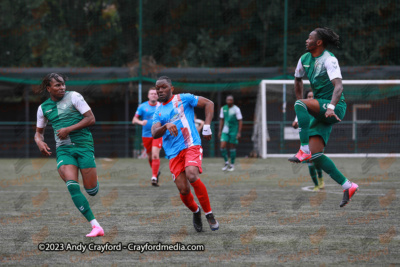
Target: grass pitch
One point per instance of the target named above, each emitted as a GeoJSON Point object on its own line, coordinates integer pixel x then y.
{"type": "Point", "coordinates": [266, 211]}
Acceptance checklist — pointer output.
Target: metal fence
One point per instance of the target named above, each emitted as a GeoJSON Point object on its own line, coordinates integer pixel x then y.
{"type": "Point", "coordinates": [122, 139]}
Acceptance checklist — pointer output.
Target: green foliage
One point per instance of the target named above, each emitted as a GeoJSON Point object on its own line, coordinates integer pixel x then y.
{"type": "Point", "coordinates": [185, 33]}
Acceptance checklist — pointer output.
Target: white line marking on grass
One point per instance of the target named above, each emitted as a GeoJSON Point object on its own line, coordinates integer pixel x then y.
{"type": "Point", "coordinates": [310, 189]}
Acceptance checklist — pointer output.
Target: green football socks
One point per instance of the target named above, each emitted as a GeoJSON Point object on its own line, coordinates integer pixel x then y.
{"type": "Point", "coordinates": [327, 165]}
{"type": "Point", "coordinates": [303, 120]}
{"type": "Point", "coordinates": [313, 173]}
{"type": "Point", "coordinates": [224, 154]}
{"type": "Point", "coordinates": [232, 153]}
{"type": "Point", "coordinates": [79, 199]}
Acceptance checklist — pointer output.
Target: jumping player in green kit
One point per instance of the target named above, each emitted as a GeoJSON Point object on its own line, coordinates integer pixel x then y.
{"type": "Point", "coordinates": [327, 108]}
{"type": "Point", "coordinates": [70, 116]}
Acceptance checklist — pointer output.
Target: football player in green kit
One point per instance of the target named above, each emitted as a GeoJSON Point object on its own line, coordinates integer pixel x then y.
{"type": "Point", "coordinates": [230, 128]}
{"type": "Point", "coordinates": [70, 117]}
{"type": "Point", "coordinates": [327, 108]}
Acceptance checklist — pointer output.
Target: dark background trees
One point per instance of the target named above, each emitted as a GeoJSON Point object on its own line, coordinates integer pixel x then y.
{"type": "Point", "coordinates": [183, 33]}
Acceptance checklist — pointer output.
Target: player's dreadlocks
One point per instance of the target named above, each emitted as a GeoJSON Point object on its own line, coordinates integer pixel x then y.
{"type": "Point", "coordinates": [328, 36]}
{"type": "Point", "coordinates": [47, 79]}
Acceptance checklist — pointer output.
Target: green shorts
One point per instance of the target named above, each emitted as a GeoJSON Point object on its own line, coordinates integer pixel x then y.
{"type": "Point", "coordinates": [230, 138]}
{"type": "Point", "coordinates": [82, 157]}
{"type": "Point", "coordinates": [321, 125]}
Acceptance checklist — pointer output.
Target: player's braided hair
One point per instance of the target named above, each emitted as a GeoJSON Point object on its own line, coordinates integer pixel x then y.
{"type": "Point", "coordinates": [47, 79]}
{"type": "Point", "coordinates": [165, 78]}
{"type": "Point", "coordinates": [328, 36]}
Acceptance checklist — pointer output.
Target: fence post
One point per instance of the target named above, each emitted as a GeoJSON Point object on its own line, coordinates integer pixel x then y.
{"type": "Point", "coordinates": [212, 141]}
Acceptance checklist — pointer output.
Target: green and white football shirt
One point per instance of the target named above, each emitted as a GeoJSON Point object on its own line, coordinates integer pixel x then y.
{"type": "Point", "coordinates": [320, 71]}
{"type": "Point", "coordinates": [231, 118]}
{"type": "Point", "coordinates": [64, 113]}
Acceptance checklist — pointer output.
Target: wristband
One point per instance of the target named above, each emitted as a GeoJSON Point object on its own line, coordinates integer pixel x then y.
{"type": "Point", "coordinates": [207, 129]}
{"type": "Point", "coordinates": [330, 106]}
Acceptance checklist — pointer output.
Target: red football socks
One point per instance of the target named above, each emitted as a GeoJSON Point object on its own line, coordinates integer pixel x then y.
{"type": "Point", "coordinates": [155, 166]}
{"type": "Point", "coordinates": [202, 195]}
{"type": "Point", "coordinates": [188, 200]}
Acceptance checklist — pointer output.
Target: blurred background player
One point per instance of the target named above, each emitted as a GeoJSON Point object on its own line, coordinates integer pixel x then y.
{"type": "Point", "coordinates": [199, 123]}
{"type": "Point", "coordinates": [70, 117]}
{"type": "Point", "coordinates": [152, 146]}
{"type": "Point", "coordinates": [318, 182]}
{"type": "Point", "coordinates": [174, 121]}
{"type": "Point", "coordinates": [230, 128]}
{"type": "Point", "coordinates": [328, 107]}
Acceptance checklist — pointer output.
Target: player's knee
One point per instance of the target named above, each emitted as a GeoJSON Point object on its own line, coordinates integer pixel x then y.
{"type": "Point", "coordinates": [184, 191]}
{"type": "Point", "coordinates": [93, 191]}
{"type": "Point", "coordinates": [155, 156]}
{"type": "Point", "coordinates": [192, 177]}
{"type": "Point", "coordinates": [299, 104]}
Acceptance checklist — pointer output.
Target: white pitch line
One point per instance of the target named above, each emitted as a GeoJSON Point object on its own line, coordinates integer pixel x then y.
{"type": "Point", "coordinates": [309, 189]}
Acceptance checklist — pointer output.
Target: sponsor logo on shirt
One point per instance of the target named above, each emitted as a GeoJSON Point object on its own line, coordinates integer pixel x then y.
{"type": "Point", "coordinates": [176, 117]}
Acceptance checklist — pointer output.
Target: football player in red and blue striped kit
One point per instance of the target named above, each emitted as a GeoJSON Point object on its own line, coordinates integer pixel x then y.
{"type": "Point", "coordinates": [174, 122]}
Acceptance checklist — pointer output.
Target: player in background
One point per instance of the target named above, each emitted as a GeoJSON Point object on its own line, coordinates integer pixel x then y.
{"type": "Point", "coordinates": [230, 128]}
{"type": "Point", "coordinates": [328, 107]}
{"type": "Point", "coordinates": [70, 117]}
{"type": "Point", "coordinates": [198, 123]}
{"type": "Point", "coordinates": [318, 182]}
{"type": "Point", "coordinates": [174, 122]}
{"type": "Point", "coordinates": [153, 146]}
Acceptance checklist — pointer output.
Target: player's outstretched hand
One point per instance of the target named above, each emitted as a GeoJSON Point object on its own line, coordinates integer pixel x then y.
{"type": "Point", "coordinates": [172, 129]}
{"type": "Point", "coordinates": [295, 125]}
{"type": "Point", "coordinates": [330, 113]}
{"type": "Point", "coordinates": [44, 149]}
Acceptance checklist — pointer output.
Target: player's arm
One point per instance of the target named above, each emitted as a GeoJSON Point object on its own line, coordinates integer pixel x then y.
{"type": "Point", "coordinates": [239, 134]}
{"type": "Point", "coordinates": [88, 117]}
{"type": "Point", "coordinates": [298, 88]}
{"type": "Point", "coordinates": [39, 139]}
{"type": "Point", "coordinates": [39, 135]}
{"type": "Point", "coordinates": [239, 117]}
{"type": "Point", "coordinates": [337, 92]}
{"type": "Point", "coordinates": [221, 124]}
{"type": "Point", "coordinates": [136, 120]}
{"type": "Point", "coordinates": [333, 70]}
{"type": "Point", "coordinates": [208, 106]}
{"type": "Point", "coordinates": [295, 123]}
{"type": "Point", "coordinates": [138, 113]}
{"type": "Point", "coordinates": [88, 120]}
{"type": "Point", "coordinates": [200, 126]}
{"type": "Point", "coordinates": [158, 131]}
{"type": "Point", "coordinates": [298, 81]}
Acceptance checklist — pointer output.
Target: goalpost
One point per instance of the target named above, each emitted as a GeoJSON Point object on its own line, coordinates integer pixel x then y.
{"type": "Point", "coordinates": [361, 97]}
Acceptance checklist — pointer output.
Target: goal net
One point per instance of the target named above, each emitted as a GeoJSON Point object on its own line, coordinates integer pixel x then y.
{"type": "Point", "coordinates": [370, 128]}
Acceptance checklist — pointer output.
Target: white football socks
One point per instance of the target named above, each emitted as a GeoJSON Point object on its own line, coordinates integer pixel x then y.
{"type": "Point", "coordinates": [305, 149]}
{"type": "Point", "coordinates": [346, 185]}
{"type": "Point", "coordinates": [94, 222]}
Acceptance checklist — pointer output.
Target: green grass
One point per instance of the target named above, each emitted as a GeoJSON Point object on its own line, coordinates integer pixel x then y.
{"type": "Point", "coordinates": [265, 216]}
